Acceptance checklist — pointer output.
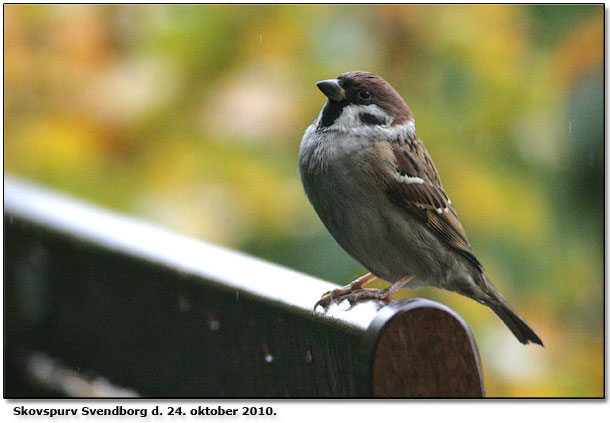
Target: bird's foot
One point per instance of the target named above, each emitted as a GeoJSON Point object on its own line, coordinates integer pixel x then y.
{"type": "Point", "coordinates": [368, 294]}
{"type": "Point", "coordinates": [355, 293]}
{"type": "Point", "coordinates": [337, 295]}
{"type": "Point", "coordinates": [354, 297]}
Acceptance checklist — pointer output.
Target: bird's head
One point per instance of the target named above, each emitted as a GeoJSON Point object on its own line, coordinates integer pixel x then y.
{"type": "Point", "coordinates": [361, 99]}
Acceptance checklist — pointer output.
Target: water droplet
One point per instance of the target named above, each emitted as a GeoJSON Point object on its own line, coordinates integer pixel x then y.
{"type": "Point", "coordinates": [268, 356]}
{"type": "Point", "coordinates": [183, 303]}
{"type": "Point", "coordinates": [260, 37]}
{"type": "Point", "coordinates": [213, 322]}
{"type": "Point", "coordinates": [308, 356]}
{"type": "Point", "coordinates": [237, 295]}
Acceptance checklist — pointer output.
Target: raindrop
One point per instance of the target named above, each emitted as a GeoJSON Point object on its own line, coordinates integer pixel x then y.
{"type": "Point", "coordinates": [591, 159]}
{"type": "Point", "coordinates": [213, 322]}
{"type": "Point", "coordinates": [260, 37]}
{"type": "Point", "coordinates": [570, 127]}
{"type": "Point", "coordinates": [268, 356]}
{"type": "Point", "coordinates": [10, 219]}
{"type": "Point", "coordinates": [308, 356]}
{"type": "Point", "coordinates": [237, 295]}
{"type": "Point", "coordinates": [183, 303]}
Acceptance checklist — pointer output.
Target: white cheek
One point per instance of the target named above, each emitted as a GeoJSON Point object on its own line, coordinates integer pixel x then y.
{"type": "Point", "coordinates": [349, 124]}
{"type": "Point", "coordinates": [350, 117]}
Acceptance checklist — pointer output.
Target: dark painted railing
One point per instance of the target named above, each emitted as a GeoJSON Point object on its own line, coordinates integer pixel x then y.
{"type": "Point", "coordinates": [97, 303]}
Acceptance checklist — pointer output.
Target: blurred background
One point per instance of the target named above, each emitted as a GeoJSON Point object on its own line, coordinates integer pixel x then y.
{"type": "Point", "coordinates": [191, 117]}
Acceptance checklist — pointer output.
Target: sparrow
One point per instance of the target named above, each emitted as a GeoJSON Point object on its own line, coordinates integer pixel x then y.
{"type": "Point", "coordinates": [377, 191]}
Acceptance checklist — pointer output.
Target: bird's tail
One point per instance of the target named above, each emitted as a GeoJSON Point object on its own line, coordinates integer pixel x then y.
{"type": "Point", "coordinates": [510, 316]}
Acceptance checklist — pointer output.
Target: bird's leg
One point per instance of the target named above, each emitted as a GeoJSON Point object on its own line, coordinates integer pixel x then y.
{"type": "Point", "coordinates": [361, 294]}
{"type": "Point", "coordinates": [337, 295]}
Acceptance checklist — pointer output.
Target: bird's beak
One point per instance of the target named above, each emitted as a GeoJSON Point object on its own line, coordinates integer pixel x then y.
{"type": "Point", "coordinates": [332, 89]}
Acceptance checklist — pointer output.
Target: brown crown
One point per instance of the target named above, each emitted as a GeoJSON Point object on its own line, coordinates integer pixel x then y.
{"type": "Point", "coordinates": [383, 94]}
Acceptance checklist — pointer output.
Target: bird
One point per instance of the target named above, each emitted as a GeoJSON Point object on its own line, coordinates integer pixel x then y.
{"type": "Point", "coordinates": [375, 188]}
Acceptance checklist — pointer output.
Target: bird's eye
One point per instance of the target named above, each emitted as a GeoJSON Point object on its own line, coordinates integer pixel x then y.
{"type": "Point", "coordinates": [364, 94]}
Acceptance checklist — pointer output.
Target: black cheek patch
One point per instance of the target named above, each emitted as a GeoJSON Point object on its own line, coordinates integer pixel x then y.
{"type": "Point", "coordinates": [369, 119]}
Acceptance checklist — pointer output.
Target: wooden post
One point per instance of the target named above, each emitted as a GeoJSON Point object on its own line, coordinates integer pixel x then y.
{"type": "Point", "coordinates": [157, 314]}
{"type": "Point", "coordinates": [423, 349]}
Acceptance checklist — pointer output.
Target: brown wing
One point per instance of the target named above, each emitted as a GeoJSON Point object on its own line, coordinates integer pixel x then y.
{"type": "Point", "coordinates": [417, 187]}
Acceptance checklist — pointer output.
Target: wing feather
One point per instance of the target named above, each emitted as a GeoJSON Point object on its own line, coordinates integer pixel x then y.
{"type": "Point", "coordinates": [417, 187]}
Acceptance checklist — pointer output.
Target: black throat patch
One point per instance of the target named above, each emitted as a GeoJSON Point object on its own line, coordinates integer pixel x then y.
{"type": "Point", "coordinates": [331, 112]}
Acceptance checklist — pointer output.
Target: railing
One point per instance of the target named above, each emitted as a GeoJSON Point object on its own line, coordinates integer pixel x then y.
{"type": "Point", "coordinates": [99, 304]}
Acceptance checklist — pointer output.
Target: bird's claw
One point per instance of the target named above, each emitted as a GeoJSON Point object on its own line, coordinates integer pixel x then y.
{"type": "Point", "coordinates": [353, 296]}
{"type": "Point", "coordinates": [325, 301]}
